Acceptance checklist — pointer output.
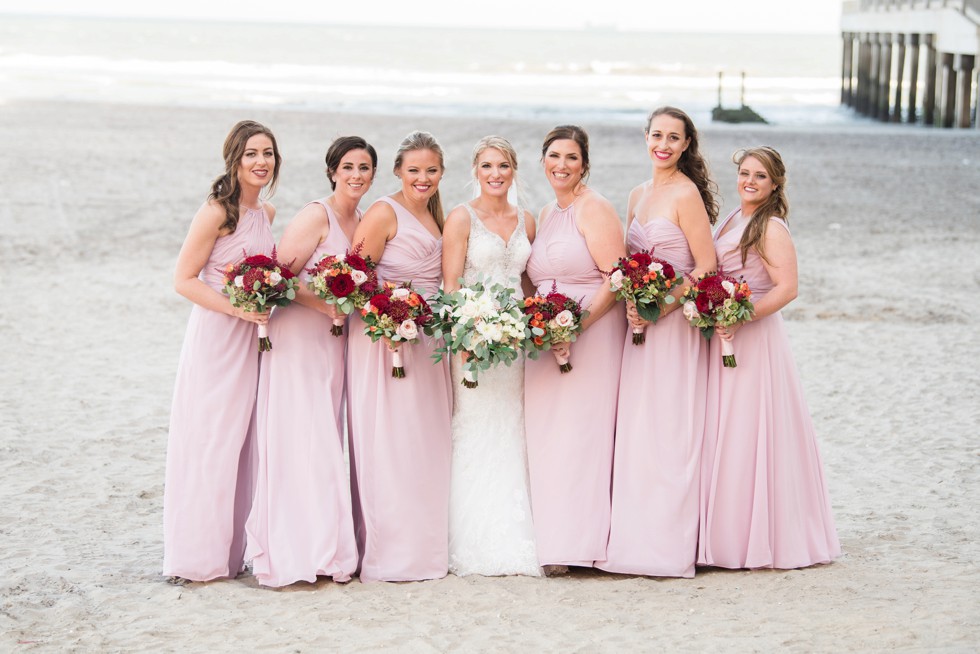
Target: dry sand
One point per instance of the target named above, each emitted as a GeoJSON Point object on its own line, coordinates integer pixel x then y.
{"type": "Point", "coordinates": [95, 204]}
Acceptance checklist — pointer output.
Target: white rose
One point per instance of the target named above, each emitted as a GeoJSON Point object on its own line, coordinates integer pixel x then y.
{"type": "Point", "coordinates": [616, 280]}
{"type": "Point", "coordinates": [468, 310]}
{"type": "Point", "coordinates": [728, 286]}
{"type": "Point", "coordinates": [400, 294]}
{"type": "Point", "coordinates": [655, 266]}
{"type": "Point", "coordinates": [491, 332]}
{"type": "Point", "coordinates": [690, 310]}
{"type": "Point", "coordinates": [240, 281]}
{"type": "Point", "coordinates": [358, 276]}
{"type": "Point", "coordinates": [565, 319]}
{"type": "Point", "coordinates": [274, 278]}
{"type": "Point", "coordinates": [407, 330]}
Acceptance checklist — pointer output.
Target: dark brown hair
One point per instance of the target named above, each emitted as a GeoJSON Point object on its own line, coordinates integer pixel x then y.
{"type": "Point", "coordinates": [342, 146]}
{"type": "Point", "coordinates": [691, 162]}
{"type": "Point", "coordinates": [571, 133]}
{"type": "Point", "coordinates": [225, 189]}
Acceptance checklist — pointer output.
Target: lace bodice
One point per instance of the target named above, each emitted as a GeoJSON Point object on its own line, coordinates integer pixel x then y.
{"type": "Point", "coordinates": [490, 258]}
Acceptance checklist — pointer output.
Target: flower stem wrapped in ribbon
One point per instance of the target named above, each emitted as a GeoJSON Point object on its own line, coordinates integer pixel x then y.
{"type": "Point", "coordinates": [346, 281]}
{"type": "Point", "coordinates": [396, 313]}
{"type": "Point", "coordinates": [552, 319]}
{"type": "Point", "coordinates": [718, 300]}
{"type": "Point", "coordinates": [258, 283]}
{"type": "Point", "coordinates": [486, 324]}
{"type": "Point", "coordinates": [646, 281]}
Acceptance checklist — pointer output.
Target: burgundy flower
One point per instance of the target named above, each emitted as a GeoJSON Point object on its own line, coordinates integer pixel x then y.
{"type": "Point", "coordinates": [399, 310]}
{"type": "Point", "coordinates": [252, 276]}
{"type": "Point", "coordinates": [643, 259]}
{"type": "Point", "coordinates": [356, 262]}
{"type": "Point", "coordinates": [342, 285]}
{"type": "Point", "coordinates": [259, 260]}
{"type": "Point", "coordinates": [380, 302]}
{"type": "Point", "coordinates": [703, 303]}
{"type": "Point", "coordinates": [286, 272]}
{"type": "Point", "coordinates": [668, 270]}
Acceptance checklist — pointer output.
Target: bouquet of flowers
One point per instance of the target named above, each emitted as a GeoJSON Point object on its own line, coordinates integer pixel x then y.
{"type": "Point", "coordinates": [259, 283]}
{"type": "Point", "coordinates": [485, 323]}
{"type": "Point", "coordinates": [396, 312]}
{"type": "Point", "coordinates": [345, 280]}
{"type": "Point", "coordinates": [553, 318]}
{"type": "Point", "coordinates": [718, 300]}
{"type": "Point", "coordinates": [645, 281]}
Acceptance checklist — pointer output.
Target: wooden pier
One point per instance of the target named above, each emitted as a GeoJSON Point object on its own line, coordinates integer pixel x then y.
{"type": "Point", "coordinates": [912, 60]}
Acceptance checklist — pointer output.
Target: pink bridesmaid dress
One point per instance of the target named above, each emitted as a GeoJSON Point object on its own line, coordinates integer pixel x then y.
{"type": "Point", "coordinates": [570, 418]}
{"type": "Point", "coordinates": [659, 431]}
{"type": "Point", "coordinates": [208, 488]}
{"type": "Point", "coordinates": [301, 524]}
{"type": "Point", "coordinates": [400, 438]}
{"type": "Point", "coordinates": [764, 500]}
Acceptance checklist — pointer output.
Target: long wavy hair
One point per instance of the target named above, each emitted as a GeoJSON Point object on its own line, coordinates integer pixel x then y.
{"type": "Point", "coordinates": [226, 190]}
{"type": "Point", "coordinates": [505, 148]}
{"type": "Point", "coordinates": [341, 146]}
{"type": "Point", "coordinates": [691, 162]}
{"type": "Point", "coordinates": [424, 141]}
{"type": "Point", "coordinates": [776, 205]}
{"type": "Point", "coordinates": [571, 133]}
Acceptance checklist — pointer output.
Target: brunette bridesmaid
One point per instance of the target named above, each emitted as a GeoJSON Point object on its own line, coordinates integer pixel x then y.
{"type": "Point", "coordinates": [764, 497]}
{"type": "Point", "coordinates": [209, 468]}
{"type": "Point", "coordinates": [400, 440]}
{"type": "Point", "coordinates": [301, 525]}
{"type": "Point", "coordinates": [570, 418]}
{"type": "Point", "coordinates": [660, 422]}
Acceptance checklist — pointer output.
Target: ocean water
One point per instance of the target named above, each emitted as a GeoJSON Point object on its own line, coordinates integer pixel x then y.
{"type": "Point", "coordinates": [591, 75]}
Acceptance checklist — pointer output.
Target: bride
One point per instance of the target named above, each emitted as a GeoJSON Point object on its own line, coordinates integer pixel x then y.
{"type": "Point", "coordinates": [488, 238]}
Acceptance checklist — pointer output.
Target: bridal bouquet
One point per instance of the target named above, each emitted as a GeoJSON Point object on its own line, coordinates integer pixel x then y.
{"type": "Point", "coordinates": [395, 313]}
{"type": "Point", "coordinates": [485, 323]}
{"type": "Point", "coordinates": [259, 283]}
{"type": "Point", "coordinates": [345, 280]}
{"type": "Point", "coordinates": [718, 300]}
{"type": "Point", "coordinates": [645, 281]}
{"type": "Point", "coordinates": [553, 318]}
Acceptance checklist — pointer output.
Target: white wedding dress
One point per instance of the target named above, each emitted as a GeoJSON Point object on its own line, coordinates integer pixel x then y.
{"type": "Point", "coordinates": [490, 529]}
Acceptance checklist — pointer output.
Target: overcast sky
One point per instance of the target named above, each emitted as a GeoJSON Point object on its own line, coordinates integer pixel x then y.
{"type": "Point", "coordinates": [797, 16]}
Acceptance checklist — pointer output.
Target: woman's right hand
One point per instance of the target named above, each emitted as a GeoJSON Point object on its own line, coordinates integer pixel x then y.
{"type": "Point", "coordinates": [258, 317]}
{"type": "Point", "coordinates": [332, 311]}
{"type": "Point", "coordinates": [634, 316]}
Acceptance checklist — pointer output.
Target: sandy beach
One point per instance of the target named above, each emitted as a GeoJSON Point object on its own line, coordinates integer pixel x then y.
{"type": "Point", "coordinates": [95, 204]}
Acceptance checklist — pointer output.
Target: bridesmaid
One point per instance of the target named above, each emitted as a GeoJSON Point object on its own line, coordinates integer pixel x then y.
{"type": "Point", "coordinates": [764, 498]}
{"type": "Point", "coordinates": [660, 422]}
{"type": "Point", "coordinates": [570, 418]}
{"type": "Point", "coordinates": [208, 485]}
{"type": "Point", "coordinates": [301, 524]}
{"type": "Point", "coordinates": [400, 442]}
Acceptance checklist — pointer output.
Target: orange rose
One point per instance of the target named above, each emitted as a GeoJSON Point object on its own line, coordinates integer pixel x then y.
{"type": "Point", "coordinates": [539, 317]}
{"type": "Point", "coordinates": [634, 264]}
{"type": "Point", "coordinates": [538, 340]}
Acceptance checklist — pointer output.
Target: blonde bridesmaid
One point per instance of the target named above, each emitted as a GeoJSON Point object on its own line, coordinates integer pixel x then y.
{"type": "Point", "coordinates": [400, 440]}
{"type": "Point", "coordinates": [764, 498]}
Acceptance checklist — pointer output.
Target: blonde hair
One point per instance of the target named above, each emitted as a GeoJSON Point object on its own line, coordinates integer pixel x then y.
{"type": "Point", "coordinates": [776, 205]}
{"type": "Point", "coordinates": [503, 146]}
{"type": "Point", "coordinates": [419, 140]}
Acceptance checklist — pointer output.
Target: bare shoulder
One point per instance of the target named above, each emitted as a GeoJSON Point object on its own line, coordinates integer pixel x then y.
{"type": "Point", "coordinates": [458, 221]}
{"type": "Point", "coordinates": [594, 202]}
{"type": "Point", "coordinates": [210, 214]}
{"type": "Point", "coordinates": [270, 210]}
